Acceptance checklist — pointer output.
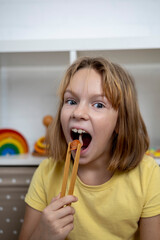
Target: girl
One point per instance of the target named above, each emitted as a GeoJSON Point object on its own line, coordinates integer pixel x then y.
{"type": "Point", "coordinates": [117, 184]}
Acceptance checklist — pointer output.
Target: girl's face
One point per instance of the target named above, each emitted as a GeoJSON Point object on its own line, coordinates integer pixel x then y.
{"type": "Point", "coordinates": [87, 114]}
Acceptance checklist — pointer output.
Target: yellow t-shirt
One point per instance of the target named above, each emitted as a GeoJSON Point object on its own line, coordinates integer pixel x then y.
{"type": "Point", "coordinates": [108, 211]}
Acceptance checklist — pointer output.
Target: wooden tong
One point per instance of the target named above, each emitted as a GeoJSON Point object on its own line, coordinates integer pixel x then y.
{"type": "Point", "coordinates": [71, 146]}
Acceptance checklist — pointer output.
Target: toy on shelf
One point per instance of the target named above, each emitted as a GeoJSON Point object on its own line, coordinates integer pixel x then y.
{"type": "Point", "coordinates": [154, 152]}
{"type": "Point", "coordinates": [40, 145]}
{"type": "Point", "coordinates": [12, 142]}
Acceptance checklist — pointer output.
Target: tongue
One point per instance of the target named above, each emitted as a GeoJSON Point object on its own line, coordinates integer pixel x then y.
{"type": "Point", "coordinates": [86, 138]}
{"type": "Point", "coordinates": [80, 139]}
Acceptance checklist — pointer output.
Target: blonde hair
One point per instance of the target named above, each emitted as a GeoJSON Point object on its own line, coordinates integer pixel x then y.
{"type": "Point", "coordinates": [130, 139]}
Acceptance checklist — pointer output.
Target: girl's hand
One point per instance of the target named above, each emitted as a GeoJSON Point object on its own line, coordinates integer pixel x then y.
{"type": "Point", "coordinates": [57, 219]}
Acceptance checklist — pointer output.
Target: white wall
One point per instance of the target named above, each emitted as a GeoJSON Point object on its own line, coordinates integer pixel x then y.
{"type": "Point", "coordinates": [30, 80]}
{"type": "Point", "coordinates": [49, 19]}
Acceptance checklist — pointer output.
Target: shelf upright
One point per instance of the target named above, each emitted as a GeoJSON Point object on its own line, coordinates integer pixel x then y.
{"type": "Point", "coordinates": [3, 97]}
{"type": "Point", "coordinates": [72, 56]}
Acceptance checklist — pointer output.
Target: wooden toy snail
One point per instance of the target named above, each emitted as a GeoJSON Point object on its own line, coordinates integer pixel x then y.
{"type": "Point", "coordinates": [40, 144]}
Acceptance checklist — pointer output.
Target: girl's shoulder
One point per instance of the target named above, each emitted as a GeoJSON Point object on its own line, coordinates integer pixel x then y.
{"type": "Point", "coordinates": [148, 163]}
{"type": "Point", "coordinates": [147, 171]}
{"type": "Point", "coordinates": [50, 166]}
{"type": "Point", "coordinates": [48, 162]}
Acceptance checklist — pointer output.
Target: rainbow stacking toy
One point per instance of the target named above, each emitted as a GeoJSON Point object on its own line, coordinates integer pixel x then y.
{"type": "Point", "coordinates": [12, 142]}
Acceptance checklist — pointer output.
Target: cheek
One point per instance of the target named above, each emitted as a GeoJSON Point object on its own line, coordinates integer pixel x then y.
{"type": "Point", "coordinates": [107, 125]}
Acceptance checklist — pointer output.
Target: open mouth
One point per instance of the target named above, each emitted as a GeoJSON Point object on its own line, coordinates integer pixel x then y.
{"type": "Point", "coordinates": [81, 135]}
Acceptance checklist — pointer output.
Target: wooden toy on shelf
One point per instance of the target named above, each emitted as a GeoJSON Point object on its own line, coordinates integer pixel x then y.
{"type": "Point", "coordinates": [40, 145]}
{"type": "Point", "coordinates": [12, 142]}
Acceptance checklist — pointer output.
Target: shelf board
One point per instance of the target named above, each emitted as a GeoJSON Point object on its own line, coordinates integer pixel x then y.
{"type": "Point", "coordinates": [20, 160]}
{"type": "Point", "coordinates": [27, 160]}
{"type": "Point", "coordinates": [158, 160]}
{"type": "Point", "coordinates": [55, 45]}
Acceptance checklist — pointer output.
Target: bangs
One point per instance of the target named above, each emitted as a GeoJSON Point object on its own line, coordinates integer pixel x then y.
{"type": "Point", "coordinates": [65, 82]}
{"type": "Point", "coordinates": [112, 88]}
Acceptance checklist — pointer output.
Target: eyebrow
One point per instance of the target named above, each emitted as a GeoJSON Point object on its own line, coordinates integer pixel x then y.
{"type": "Point", "coordinates": [94, 95]}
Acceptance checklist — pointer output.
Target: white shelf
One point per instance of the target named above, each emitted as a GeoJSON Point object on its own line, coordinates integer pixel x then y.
{"type": "Point", "coordinates": [60, 45]}
{"type": "Point", "coordinates": [27, 160]}
{"type": "Point", "coordinates": [158, 160]}
{"type": "Point", "coordinates": [20, 160]}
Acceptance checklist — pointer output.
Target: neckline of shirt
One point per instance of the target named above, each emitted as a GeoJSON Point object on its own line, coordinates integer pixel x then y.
{"type": "Point", "coordinates": [100, 187]}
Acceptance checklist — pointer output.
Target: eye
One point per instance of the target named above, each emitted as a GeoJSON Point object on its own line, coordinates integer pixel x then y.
{"type": "Point", "coordinates": [70, 101]}
{"type": "Point", "coordinates": [99, 105]}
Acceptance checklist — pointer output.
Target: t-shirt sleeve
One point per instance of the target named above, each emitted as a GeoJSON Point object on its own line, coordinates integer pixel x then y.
{"type": "Point", "coordinates": [36, 197]}
{"type": "Point", "coordinates": [152, 197]}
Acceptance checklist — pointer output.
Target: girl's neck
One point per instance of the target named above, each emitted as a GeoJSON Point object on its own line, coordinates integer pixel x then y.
{"type": "Point", "coordinates": [94, 176]}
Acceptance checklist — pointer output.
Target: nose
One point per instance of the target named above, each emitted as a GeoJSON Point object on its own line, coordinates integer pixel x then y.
{"type": "Point", "coordinates": [81, 111]}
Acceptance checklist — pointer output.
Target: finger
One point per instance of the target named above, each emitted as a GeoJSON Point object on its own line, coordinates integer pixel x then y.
{"type": "Point", "coordinates": [66, 201]}
{"type": "Point", "coordinates": [55, 198]}
{"type": "Point", "coordinates": [63, 222]}
{"type": "Point", "coordinates": [61, 202]}
{"type": "Point", "coordinates": [68, 228]}
{"type": "Point", "coordinates": [65, 211]}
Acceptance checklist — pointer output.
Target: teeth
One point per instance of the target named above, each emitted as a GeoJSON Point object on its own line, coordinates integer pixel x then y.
{"type": "Point", "coordinates": [80, 131]}
{"type": "Point", "coordinates": [74, 130]}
